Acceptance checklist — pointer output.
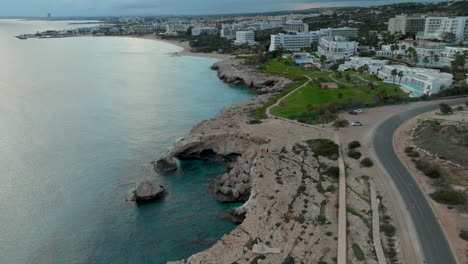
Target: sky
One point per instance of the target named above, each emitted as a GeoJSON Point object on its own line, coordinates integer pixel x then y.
{"type": "Point", "coordinates": [60, 8]}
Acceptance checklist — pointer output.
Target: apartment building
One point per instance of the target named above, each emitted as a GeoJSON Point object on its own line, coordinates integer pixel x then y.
{"type": "Point", "coordinates": [406, 24]}
{"type": "Point", "coordinates": [295, 26]}
{"type": "Point", "coordinates": [418, 81]}
{"type": "Point", "coordinates": [245, 37]}
{"type": "Point", "coordinates": [335, 48]}
{"type": "Point", "coordinates": [436, 26]}
{"type": "Point", "coordinates": [293, 41]}
{"type": "Point", "coordinates": [201, 31]}
{"type": "Point", "coordinates": [346, 32]}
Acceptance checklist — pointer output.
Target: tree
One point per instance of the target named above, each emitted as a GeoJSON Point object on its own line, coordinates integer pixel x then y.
{"type": "Point", "coordinates": [448, 37]}
{"type": "Point", "coordinates": [314, 46]}
{"type": "Point", "coordinates": [445, 109]}
{"type": "Point", "coordinates": [339, 96]}
{"type": "Point", "coordinates": [394, 74]}
{"type": "Point", "coordinates": [347, 77]}
{"type": "Point", "coordinates": [400, 74]}
{"type": "Point", "coordinates": [338, 74]}
{"type": "Point", "coordinates": [425, 61]}
{"type": "Point", "coordinates": [394, 48]}
{"type": "Point", "coordinates": [323, 58]}
{"type": "Point", "coordinates": [365, 68]}
{"type": "Point", "coordinates": [436, 58]}
{"type": "Point", "coordinates": [399, 57]}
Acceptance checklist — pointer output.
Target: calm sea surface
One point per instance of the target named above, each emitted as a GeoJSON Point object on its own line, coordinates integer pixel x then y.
{"type": "Point", "coordinates": [80, 120]}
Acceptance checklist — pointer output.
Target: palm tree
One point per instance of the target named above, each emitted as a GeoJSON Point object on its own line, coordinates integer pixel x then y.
{"type": "Point", "coordinates": [393, 48]}
{"type": "Point", "coordinates": [323, 58]}
{"type": "Point", "coordinates": [432, 56]}
{"type": "Point", "coordinates": [425, 61]}
{"type": "Point", "coordinates": [365, 67]}
{"type": "Point", "coordinates": [394, 74]}
{"type": "Point", "coordinates": [436, 58]}
{"type": "Point", "coordinates": [400, 74]}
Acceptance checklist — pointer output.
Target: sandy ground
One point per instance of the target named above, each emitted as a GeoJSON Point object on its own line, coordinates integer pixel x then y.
{"type": "Point", "coordinates": [186, 48]}
{"type": "Point", "coordinates": [451, 220]}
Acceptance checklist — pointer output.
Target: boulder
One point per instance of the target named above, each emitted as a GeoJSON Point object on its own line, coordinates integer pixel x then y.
{"type": "Point", "coordinates": [145, 191]}
{"type": "Point", "coordinates": [164, 165]}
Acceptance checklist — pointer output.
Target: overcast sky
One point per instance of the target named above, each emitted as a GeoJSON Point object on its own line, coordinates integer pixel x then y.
{"type": "Point", "coordinates": [166, 7]}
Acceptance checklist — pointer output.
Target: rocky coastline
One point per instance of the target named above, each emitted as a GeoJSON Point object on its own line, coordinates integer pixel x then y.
{"type": "Point", "coordinates": [283, 214]}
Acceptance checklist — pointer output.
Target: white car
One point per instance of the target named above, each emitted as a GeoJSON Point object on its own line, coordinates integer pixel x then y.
{"type": "Point", "coordinates": [358, 111]}
{"type": "Point", "coordinates": [357, 123]}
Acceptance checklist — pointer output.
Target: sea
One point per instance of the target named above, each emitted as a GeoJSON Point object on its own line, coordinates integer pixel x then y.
{"type": "Point", "coordinates": [80, 121]}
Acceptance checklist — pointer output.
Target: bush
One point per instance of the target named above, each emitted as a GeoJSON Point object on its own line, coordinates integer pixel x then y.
{"type": "Point", "coordinates": [388, 229]}
{"type": "Point", "coordinates": [289, 260]}
{"type": "Point", "coordinates": [463, 235]}
{"type": "Point", "coordinates": [341, 123]}
{"type": "Point", "coordinates": [466, 103]}
{"type": "Point", "coordinates": [413, 154]}
{"type": "Point", "coordinates": [428, 169]}
{"type": "Point", "coordinates": [358, 252]}
{"type": "Point", "coordinates": [409, 149]}
{"type": "Point", "coordinates": [449, 197]}
{"type": "Point", "coordinates": [254, 122]}
{"type": "Point", "coordinates": [333, 172]}
{"type": "Point", "coordinates": [354, 144]}
{"type": "Point", "coordinates": [367, 162]}
{"type": "Point", "coordinates": [445, 109]}
{"type": "Point", "coordinates": [354, 154]}
{"type": "Point", "coordinates": [459, 108]}
{"type": "Point", "coordinates": [323, 147]}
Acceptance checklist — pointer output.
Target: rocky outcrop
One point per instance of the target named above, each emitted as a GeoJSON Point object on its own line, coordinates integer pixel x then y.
{"type": "Point", "coordinates": [235, 73]}
{"type": "Point", "coordinates": [288, 215]}
{"type": "Point", "coordinates": [145, 191]}
{"type": "Point", "coordinates": [165, 165]}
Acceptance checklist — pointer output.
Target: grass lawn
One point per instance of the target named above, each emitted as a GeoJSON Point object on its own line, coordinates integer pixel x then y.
{"type": "Point", "coordinates": [285, 67]}
{"type": "Point", "coordinates": [311, 96]}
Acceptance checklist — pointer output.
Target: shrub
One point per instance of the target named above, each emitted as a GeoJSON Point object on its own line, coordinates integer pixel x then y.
{"type": "Point", "coordinates": [333, 172]}
{"type": "Point", "coordinates": [449, 197]}
{"type": "Point", "coordinates": [254, 122]}
{"type": "Point", "coordinates": [289, 260]}
{"type": "Point", "coordinates": [463, 235]}
{"type": "Point", "coordinates": [413, 154]}
{"type": "Point", "coordinates": [367, 162]}
{"type": "Point", "coordinates": [388, 229]}
{"type": "Point", "coordinates": [354, 144]}
{"type": "Point", "coordinates": [323, 147]}
{"type": "Point", "coordinates": [433, 173]}
{"type": "Point", "coordinates": [358, 252]}
{"type": "Point", "coordinates": [459, 108]}
{"type": "Point", "coordinates": [354, 154]}
{"type": "Point", "coordinates": [256, 259]}
{"type": "Point", "coordinates": [409, 149]}
{"type": "Point", "coordinates": [341, 123]}
{"type": "Point", "coordinates": [445, 108]}
{"type": "Point", "coordinates": [428, 169]}
{"type": "Point", "coordinates": [466, 103]}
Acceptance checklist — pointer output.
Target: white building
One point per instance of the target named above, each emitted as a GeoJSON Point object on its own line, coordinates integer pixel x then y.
{"type": "Point", "coordinates": [245, 37]}
{"type": "Point", "coordinates": [173, 28]}
{"type": "Point", "coordinates": [451, 52]}
{"type": "Point", "coordinates": [406, 24]}
{"type": "Point", "coordinates": [436, 26]}
{"type": "Point", "coordinates": [418, 81]}
{"type": "Point", "coordinates": [295, 26]}
{"type": "Point", "coordinates": [293, 42]}
{"type": "Point", "coordinates": [229, 30]}
{"type": "Point", "coordinates": [265, 26]}
{"type": "Point", "coordinates": [201, 31]}
{"type": "Point", "coordinates": [355, 62]}
{"type": "Point", "coordinates": [335, 48]}
{"type": "Point", "coordinates": [346, 32]}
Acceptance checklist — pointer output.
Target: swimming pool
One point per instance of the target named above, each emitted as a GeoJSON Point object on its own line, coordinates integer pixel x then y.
{"type": "Point", "coordinates": [415, 91]}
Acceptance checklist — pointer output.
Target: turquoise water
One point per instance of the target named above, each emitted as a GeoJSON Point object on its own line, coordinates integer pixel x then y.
{"type": "Point", "coordinates": [81, 118]}
{"type": "Point", "coordinates": [416, 91]}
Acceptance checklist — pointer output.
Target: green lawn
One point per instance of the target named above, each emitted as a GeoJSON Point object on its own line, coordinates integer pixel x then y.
{"type": "Point", "coordinates": [312, 95]}
{"type": "Point", "coordinates": [305, 100]}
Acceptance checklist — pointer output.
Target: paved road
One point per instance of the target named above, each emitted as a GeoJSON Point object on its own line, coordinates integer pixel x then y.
{"type": "Point", "coordinates": [433, 242]}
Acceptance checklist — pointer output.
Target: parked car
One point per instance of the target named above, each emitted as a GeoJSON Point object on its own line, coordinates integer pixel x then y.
{"type": "Point", "coordinates": [357, 123]}
{"type": "Point", "coordinates": [353, 113]}
{"type": "Point", "coordinates": [358, 111]}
